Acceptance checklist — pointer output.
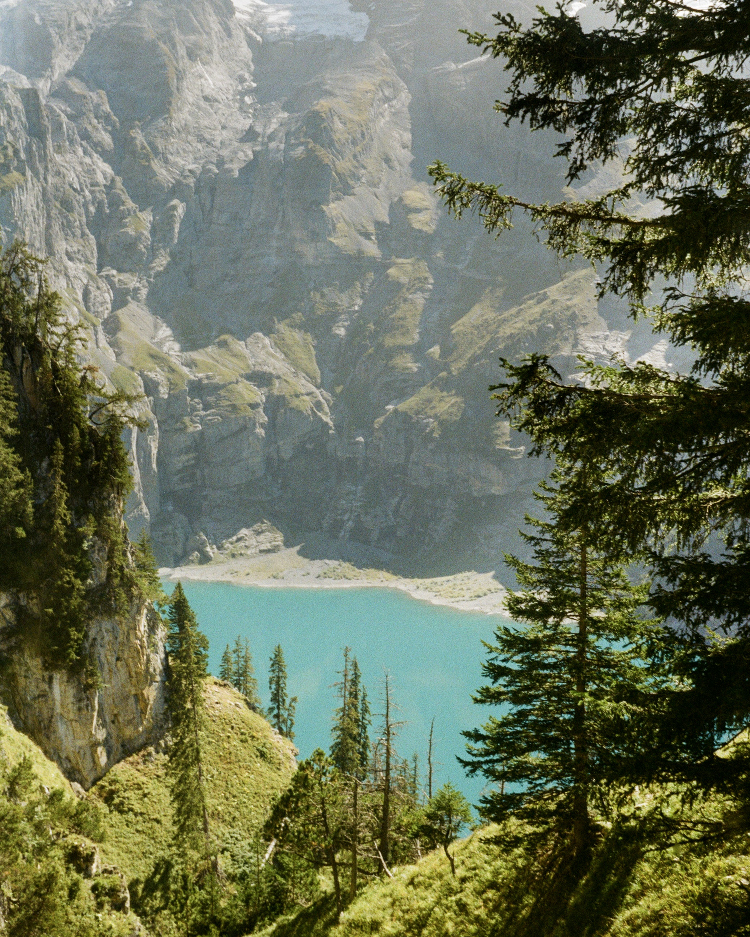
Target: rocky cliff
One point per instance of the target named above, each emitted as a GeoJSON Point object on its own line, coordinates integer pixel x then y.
{"type": "Point", "coordinates": [86, 726]}
{"type": "Point", "coordinates": [234, 200]}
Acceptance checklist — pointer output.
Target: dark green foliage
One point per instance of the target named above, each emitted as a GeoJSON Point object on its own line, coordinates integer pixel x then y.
{"type": "Point", "coordinates": [281, 709]}
{"type": "Point", "coordinates": [64, 469]}
{"type": "Point", "coordinates": [578, 679]}
{"type": "Point", "coordinates": [443, 819]}
{"type": "Point", "coordinates": [16, 512]}
{"type": "Point", "coordinates": [672, 450]}
{"type": "Point", "coordinates": [351, 744]}
{"type": "Point", "coordinates": [311, 820]}
{"type": "Point", "coordinates": [187, 648]}
{"type": "Point", "coordinates": [237, 668]}
{"type": "Point", "coordinates": [146, 570]}
{"type": "Point", "coordinates": [242, 675]}
{"type": "Point", "coordinates": [42, 858]}
{"type": "Point", "coordinates": [226, 667]}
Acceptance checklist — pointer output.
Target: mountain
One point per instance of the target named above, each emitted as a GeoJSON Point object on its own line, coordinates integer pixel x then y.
{"type": "Point", "coordinates": [234, 200]}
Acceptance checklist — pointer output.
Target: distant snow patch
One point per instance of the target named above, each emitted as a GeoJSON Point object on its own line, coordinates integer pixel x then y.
{"type": "Point", "coordinates": [305, 17]}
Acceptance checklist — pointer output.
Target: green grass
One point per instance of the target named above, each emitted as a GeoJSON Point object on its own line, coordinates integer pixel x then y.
{"type": "Point", "coordinates": [247, 765]}
{"type": "Point", "coordinates": [10, 181]}
{"type": "Point", "coordinates": [226, 359]}
{"type": "Point", "coordinates": [548, 321]}
{"type": "Point", "coordinates": [15, 746]}
{"type": "Point", "coordinates": [297, 347]}
{"type": "Point", "coordinates": [238, 399]}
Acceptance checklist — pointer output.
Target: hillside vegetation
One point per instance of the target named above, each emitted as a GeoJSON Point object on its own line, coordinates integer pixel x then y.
{"type": "Point", "coordinates": [247, 767]}
{"type": "Point", "coordinates": [642, 881]}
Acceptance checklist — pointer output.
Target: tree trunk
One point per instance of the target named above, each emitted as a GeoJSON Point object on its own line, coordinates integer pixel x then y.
{"type": "Point", "coordinates": [355, 840]}
{"type": "Point", "coordinates": [385, 817]}
{"type": "Point", "coordinates": [580, 740]}
{"type": "Point", "coordinates": [336, 882]}
{"type": "Point", "coordinates": [450, 859]}
{"type": "Point", "coordinates": [429, 761]}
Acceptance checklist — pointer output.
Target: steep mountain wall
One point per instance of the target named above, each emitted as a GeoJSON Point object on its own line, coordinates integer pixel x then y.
{"type": "Point", "coordinates": [241, 214]}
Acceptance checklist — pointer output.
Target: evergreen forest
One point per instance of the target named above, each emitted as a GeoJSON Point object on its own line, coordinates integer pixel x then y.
{"type": "Point", "coordinates": [612, 720]}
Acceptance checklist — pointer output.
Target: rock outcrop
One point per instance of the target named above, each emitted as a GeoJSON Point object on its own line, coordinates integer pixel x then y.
{"type": "Point", "coordinates": [86, 725]}
{"type": "Point", "coordinates": [240, 214]}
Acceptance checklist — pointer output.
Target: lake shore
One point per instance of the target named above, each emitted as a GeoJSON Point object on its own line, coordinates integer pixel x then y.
{"type": "Point", "coordinates": [469, 591]}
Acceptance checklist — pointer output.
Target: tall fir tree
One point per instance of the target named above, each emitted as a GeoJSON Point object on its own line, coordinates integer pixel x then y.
{"type": "Point", "coordinates": [187, 649]}
{"type": "Point", "coordinates": [350, 739]}
{"type": "Point", "coordinates": [147, 570]}
{"type": "Point", "coordinates": [659, 89]}
{"type": "Point", "coordinates": [282, 709]}
{"type": "Point", "coordinates": [575, 678]}
{"type": "Point", "coordinates": [243, 672]}
{"type": "Point", "coordinates": [350, 750]}
{"type": "Point", "coordinates": [226, 667]}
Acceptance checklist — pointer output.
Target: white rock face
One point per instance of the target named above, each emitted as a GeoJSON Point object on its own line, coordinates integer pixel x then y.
{"type": "Point", "coordinates": [295, 17]}
{"type": "Point", "coordinates": [86, 730]}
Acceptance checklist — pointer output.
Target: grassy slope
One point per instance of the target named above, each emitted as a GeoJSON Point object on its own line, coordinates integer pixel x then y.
{"type": "Point", "coordinates": [636, 887]}
{"type": "Point", "coordinates": [247, 764]}
{"type": "Point", "coordinates": [15, 745]}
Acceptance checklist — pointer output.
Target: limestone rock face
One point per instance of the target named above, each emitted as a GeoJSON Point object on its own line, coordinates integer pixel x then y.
{"type": "Point", "coordinates": [87, 729]}
{"type": "Point", "coordinates": [237, 207]}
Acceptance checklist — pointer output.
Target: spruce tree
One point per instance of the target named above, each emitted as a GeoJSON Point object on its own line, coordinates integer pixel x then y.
{"type": "Point", "coordinates": [573, 677]}
{"type": "Point", "coordinates": [365, 721]}
{"type": "Point", "coordinates": [348, 732]}
{"type": "Point", "coordinates": [310, 819]}
{"type": "Point", "coordinates": [350, 750]}
{"type": "Point", "coordinates": [659, 89]}
{"type": "Point", "coordinates": [226, 667]}
{"type": "Point", "coordinates": [237, 664]}
{"type": "Point", "coordinates": [187, 649]}
{"type": "Point", "coordinates": [281, 711]}
{"type": "Point", "coordinates": [245, 676]}
{"type": "Point", "coordinates": [147, 571]}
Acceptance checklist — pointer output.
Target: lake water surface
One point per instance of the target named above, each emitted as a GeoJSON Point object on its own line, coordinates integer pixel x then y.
{"type": "Point", "coordinates": [433, 654]}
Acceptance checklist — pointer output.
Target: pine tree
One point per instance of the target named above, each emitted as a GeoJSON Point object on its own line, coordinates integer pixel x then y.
{"type": "Point", "coordinates": [226, 667]}
{"type": "Point", "coordinates": [389, 759]}
{"type": "Point", "coordinates": [668, 78]}
{"type": "Point", "coordinates": [345, 747]}
{"type": "Point", "coordinates": [281, 711]}
{"type": "Point", "coordinates": [350, 749]}
{"type": "Point", "coordinates": [146, 568]}
{"type": "Point", "coordinates": [363, 731]}
{"type": "Point", "coordinates": [187, 648]}
{"type": "Point", "coordinates": [242, 672]}
{"type": "Point", "coordinates": [574, 678]}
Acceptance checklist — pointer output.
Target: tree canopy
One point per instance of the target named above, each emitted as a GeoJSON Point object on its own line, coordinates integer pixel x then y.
{"type": "Point", "coordinates": [659, 89]}
{"type": "Point", "coordinates": [63, 466]}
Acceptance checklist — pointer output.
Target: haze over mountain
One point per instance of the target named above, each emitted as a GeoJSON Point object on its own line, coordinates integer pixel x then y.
{"type": "Point", "coordinates": [234, 200]}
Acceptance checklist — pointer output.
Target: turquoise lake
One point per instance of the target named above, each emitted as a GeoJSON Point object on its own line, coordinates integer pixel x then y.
{"type": "Point", "coordinates": [432, 653]}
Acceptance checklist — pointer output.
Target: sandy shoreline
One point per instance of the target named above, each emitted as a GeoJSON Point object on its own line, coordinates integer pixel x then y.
{"type": "Point", "coordinates": [469, 591]}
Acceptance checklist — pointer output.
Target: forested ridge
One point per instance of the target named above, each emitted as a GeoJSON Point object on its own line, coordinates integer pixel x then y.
{"type": "Point", "coordinates": [615, 745]}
